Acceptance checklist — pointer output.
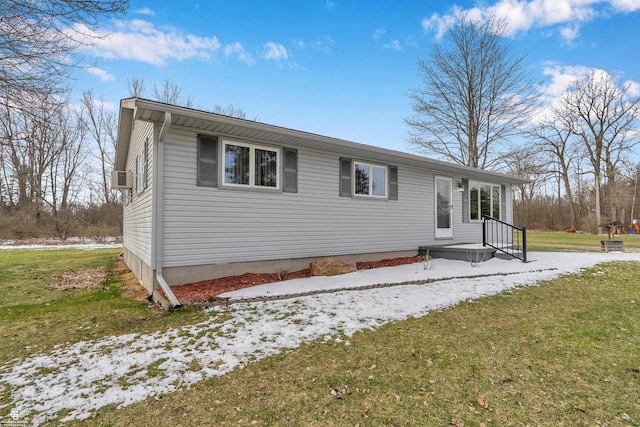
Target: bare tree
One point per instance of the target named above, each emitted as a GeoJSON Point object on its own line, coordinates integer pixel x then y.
{"type": "Point", "coordinates": [101, 125]}
{"type": "Point", "coordinates": [635, 177]}
{"type": "Point", "coordinates": [29, 146]}
{"type": "Point", "coordinates": [41, 160]}
{"type": "Point", "coordinates": [37, 38]}
{"type": "Point", "coordinates": [605, 118]}
{"type": "Point", "coordinates": [474, 94]}
{"type": "Point", "coordinates": [230, 110]}
{"type": "Point", "coordinates": [526, 163]}
{"type": "Point", "coordinates": [171, 93]}
{"type": "Point", "coordinates": [136, 87]}
{"type": "Point", "coordinates": [68, 172]}
{"type": "Point", "coordinates": [9, 135]}
{"type": "Point", "coordinates": [553, 136]}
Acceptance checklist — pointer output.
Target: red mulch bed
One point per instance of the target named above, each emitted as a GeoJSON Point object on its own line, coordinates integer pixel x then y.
{"type": "Point", "coordinates": [208, 290]}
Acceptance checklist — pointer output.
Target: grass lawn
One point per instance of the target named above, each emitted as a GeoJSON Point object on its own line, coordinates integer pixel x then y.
{"type": "Point", "coordinates": [560, 241]}
{"type": "Point", "coordinates": [566, 352]}
{"type": "Point", "coordinates": [563, 353]}
{"type": "Point", "coordinates": [34, 319]}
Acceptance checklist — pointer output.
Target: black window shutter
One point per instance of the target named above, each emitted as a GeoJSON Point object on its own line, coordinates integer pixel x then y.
{"type": "Point", "coordinates": [146, 163]}
{"type": "Point", "coordinates": [290, 182]}
{"type": "Point", "coordinates": [135, 176]}
{"type": "Point", "coordinates": [345, 177]}
{"type": "Point", "coordinates": [503, 202]}
{"type": "Point", "coordinates": [207, 161]}
{"type": "Point", "coordinates": [465, 200]}
{"type": "Point", "coordinates": [393, 183]}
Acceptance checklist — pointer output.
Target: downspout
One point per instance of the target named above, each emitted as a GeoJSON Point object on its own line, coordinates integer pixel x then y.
{"type": "Point", "coordinates": [157, 211]}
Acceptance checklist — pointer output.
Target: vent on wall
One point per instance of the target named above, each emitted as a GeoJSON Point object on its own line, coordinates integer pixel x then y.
{"type": "Point", "coordinates": [120, 179]}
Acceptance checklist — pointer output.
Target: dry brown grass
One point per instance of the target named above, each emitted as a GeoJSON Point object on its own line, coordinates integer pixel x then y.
{"type": "Point", "coordinates": [81, 278]}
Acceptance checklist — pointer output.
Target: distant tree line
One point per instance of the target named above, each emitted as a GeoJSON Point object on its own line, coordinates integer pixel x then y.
{"type": "Point", "coordinates": [47, 184]}
{"type": "Point", "coordinates": [55, 162]}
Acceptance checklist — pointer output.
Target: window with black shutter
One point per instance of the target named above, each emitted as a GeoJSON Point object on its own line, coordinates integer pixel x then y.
{"type": "Point", "coordinates": [393, 183]}
{"type": "Point", "coordinates": [368, 180]}
{"type": "Point", "coordinates": [290, 184]}
{"type": "Point", "coordinates": [345, 177]}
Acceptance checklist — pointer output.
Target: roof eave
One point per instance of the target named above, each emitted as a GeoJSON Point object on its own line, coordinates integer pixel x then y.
{"type": "Point", "coordinates": [125, 126]}
{"type": "Point", "coordinates": [143, 109]}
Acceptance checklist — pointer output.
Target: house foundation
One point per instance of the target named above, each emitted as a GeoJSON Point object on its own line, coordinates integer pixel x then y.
{"type": "Point", "coordinates": [196, 273]}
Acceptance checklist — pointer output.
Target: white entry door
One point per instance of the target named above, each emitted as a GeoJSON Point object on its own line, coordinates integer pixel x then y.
{"type": "Point", "coordinates": [444, 205]}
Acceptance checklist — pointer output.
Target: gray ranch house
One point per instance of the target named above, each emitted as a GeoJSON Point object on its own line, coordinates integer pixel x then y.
{"type": "Point", "coordinates": [208, 196]}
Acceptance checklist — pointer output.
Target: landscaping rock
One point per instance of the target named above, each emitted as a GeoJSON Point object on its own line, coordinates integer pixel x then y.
{"type": "Point", "coordinates": [332, 266]}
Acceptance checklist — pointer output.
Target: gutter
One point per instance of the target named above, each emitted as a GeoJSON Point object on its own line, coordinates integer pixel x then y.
{"type": "Point", "coordinates": [157, 212]}
{"type": "Point", "coordinates": [311, 140]}
{"type": "Point", "coordinates": [175, 303]}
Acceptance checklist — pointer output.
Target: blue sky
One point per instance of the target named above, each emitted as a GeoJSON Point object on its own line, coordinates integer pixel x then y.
{"type": "Point", "coordinates": [341, 68]}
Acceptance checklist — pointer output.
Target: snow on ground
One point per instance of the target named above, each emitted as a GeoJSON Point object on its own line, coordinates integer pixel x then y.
{"type": "Point", "coordinates": [70, 243]}
{"type": "Point", "coordinates": [84, 246]}
{"type": "Point", "coordinates": [129, 368]}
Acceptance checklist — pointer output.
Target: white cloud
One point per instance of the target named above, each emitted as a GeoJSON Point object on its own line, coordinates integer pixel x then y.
{"type": "Point", "coordinates": [140, 40]}
{"type": "Point", "coordinates": [379, 32]}
{"type": "Point", "coordinates": [570, 32]}
{"type": "Point", "coordinates": [275, 51]}
{"type": "Point", "coordinates": [299, 44]}
{"type": "Point", "coordinates": [111, 106]}
{"type": "Point", "coordinates": [626, 5]}
{"type": "Point", "coordinates": [321, 44]}
{"type": "Point", "coordinates": [560, 78]}
{"type": "Point", "coordinates": [439, 23]}
{"type": "Point", "coordinates": [411, 42]}
{"type": "Point", "coordinates": [145, 11]}
{"type": "Point", "coordinates": [393, 45]}
{"type": "Point", "coordinates": [237, 49]}
{"type": "Point", "coordinates": [524, 15]}
{"type": "Point", "coordinates": [103, 74]}
{"type": "Point", "coordinates": [633, 88]}
{"type": "Point", "coordinates": [295, 66]}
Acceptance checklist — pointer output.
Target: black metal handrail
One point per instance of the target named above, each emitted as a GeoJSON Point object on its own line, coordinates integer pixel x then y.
{"type": "Point", "coordinates": [506, 238]}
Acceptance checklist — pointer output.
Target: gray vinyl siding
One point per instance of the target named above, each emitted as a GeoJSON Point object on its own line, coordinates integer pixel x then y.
{"type": "Point", "coordinates": [204, 225]}
{"type": "Point", "coordinates": [213, 225]}
{"type": "Point", "coordinates": [137, 228]}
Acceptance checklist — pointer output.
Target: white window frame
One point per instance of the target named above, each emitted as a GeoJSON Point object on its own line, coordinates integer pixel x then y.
{"type": "Point", "coordinates": [370, 166]}
{"type": "Point", "coordinates": [252, 167]}
{"type": "Point", "coordinates": [443, 232]}
{"type": "Point", "coordinates": [479, 184]}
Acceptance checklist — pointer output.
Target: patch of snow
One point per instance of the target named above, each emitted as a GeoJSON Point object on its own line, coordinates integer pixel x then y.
{"type": "Point", "coordinates": [125, 369]}
{"type": "Point", "coordinates": [87, 247]}
{"type": "Point", "coordinates": [86, 243]}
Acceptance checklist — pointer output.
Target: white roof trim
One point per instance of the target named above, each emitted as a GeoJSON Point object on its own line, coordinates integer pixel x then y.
{"type": "Point", "coordinates": [205, 122]}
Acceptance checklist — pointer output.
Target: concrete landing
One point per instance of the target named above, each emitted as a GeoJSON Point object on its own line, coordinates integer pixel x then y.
{"type": "Point", "coordinates": [471, 252]}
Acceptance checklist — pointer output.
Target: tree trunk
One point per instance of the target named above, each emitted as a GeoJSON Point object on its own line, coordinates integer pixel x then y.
{"type": "Point", "coordinates": [596, 177]}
